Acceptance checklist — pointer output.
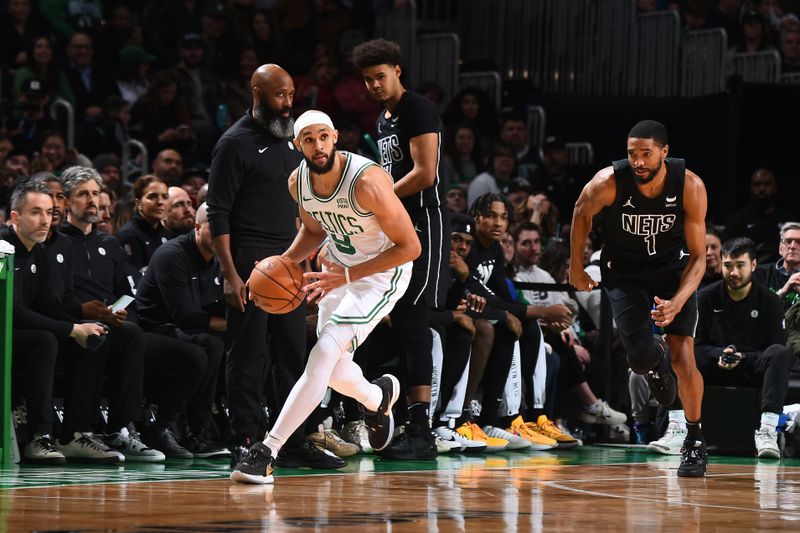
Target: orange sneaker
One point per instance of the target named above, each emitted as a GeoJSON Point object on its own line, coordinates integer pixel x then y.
{"type": "Point", "coordinates": [546, 427]}
{"type": "Point", "coordinates": [473, 431]}
{"type": "Point", "coordinates": [538, 441]}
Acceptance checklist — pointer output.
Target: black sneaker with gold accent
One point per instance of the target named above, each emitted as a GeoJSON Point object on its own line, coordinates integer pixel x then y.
{"type": "Point", "coordinates": [694, 459]}
{"type": "Point", "coordinates": [256, 468]}
{"type": "Point", "coordinates": [380, 424]}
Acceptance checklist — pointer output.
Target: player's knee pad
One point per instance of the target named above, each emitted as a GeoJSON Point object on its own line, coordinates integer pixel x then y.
{"type": "Point", "coordinates": [643, 354]}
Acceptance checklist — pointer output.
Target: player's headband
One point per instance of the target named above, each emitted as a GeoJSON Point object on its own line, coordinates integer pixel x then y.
{"type": "Point", "coordinates": [309, 118]}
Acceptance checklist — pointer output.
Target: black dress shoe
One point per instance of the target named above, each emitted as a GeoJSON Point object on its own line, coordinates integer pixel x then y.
{"type": "Point", "coordinates": [308, 456]}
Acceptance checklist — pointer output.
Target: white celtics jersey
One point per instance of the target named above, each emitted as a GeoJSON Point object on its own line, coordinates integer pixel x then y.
{"type": "Point", "coordinates": [354, 234]}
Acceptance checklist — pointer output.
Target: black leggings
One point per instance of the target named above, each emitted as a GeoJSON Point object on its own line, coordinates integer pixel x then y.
{"type": "Point", "coordinates": [410, 326]}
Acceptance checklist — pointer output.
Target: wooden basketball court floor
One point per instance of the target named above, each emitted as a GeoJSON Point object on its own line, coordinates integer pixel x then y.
{"type": "Point", "coordinates": [592, 489]}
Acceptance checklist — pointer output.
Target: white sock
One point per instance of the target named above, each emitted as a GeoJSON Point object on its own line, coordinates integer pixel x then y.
{"type": "Point", "coordinates": [595, 408]}
{"type": "Point", "coordinates": [770, 420]}
{"type": "Point", "coordinates": [679, 417]}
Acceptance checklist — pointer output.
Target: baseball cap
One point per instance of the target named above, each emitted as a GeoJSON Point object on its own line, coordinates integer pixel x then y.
{"type": "Point", "coordinates": [33, 88]}
{"type": "Point", "coordinates": [135, 55]}
{"type": "Point", "coordinates": [553, 142]}
{"type": "Point", "coordinates": [752, 15]}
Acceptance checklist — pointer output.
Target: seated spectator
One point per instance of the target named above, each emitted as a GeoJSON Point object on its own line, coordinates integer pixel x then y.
{"type": "Point", "coordinates": [42, 65]}
{"type": "Point", "coordinates": [713, 258]}
{"type": "Point", "coordinates": [180, 296]}
{"type": "Point", "coordinates": [168, 166]}
{"type": "Point", "coordinates": [98, 277]}
{"type": "Point", "coordinates": [238, 90]}
{"type": "Point", "coordinates": [40, 325]}
{"type": "Point", "coordinates": [110, 168]}
{"type": "Point", "coordinates": [192, 181]}
{"type": "Point", "coordinates": [18, 30]}
{"type": "Point", "coordinates": [133, 79]}
{"type": "Point", "coordinates": [31, 121]}
{"type": "Point", "coordinates": [502, 170]}
{"type": "Point", "coordinates": [472, 106]}
{"type": "Point", "coordinates": [105, 212]}
{"type": "Point", "coordinates": [315, 90]}
{"type": "Point", "coordinates": [790, 49]}
{"type": "Point", "coordinates": [67, 17]}
{"type": "Point", "coordinates": [143, 235]}
{"type": "Point", "coordinates": [18, 161]}
{"type": "Point", "coordinates": [740, 339]}
{"type": "Point", "coordinates": [5, 147]}
{"type": "Point", "coordinates": [90, 85]}
{"type": "Point", "coordinates": [120, 29]}
{"type": "Point", "coordinates": [462, 160]}
{"type": "Point", "coordinates": [160, 118]}
{"type": "Point", "coordinates": [759, 218]}
{"type": "Point", "coordinates": [456, 199]}
{"type": "Point", "coordinates": [54, 156]}
{"type": "Point", "coordinates": [514, 131]}
{"type": "Point", "coordinates": [267, 38]}
{"type": "Point", "coordinates": [180, 215]}
{"type": "Point", "coordinates": [540, 210]}
{"type": "Point", "coordinates": [755, 35]}
{"type": "Point", "coordinates": [783, 276]}
{"type": "Point", "coordinates": [562, 182]}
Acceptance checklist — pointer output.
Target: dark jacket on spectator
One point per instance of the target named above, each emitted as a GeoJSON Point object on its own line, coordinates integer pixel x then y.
{"type": "Point", "coordinates": [140, 240]}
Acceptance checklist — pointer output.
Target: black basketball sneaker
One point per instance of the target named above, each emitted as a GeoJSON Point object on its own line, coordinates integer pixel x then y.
{"type": "Point", "coordinates": [380, 424]}
{"type": "Point", "coordinates": [660, 379]}
{"type": "Point", "coordinates": [694, 459]}
{"type": "Point", "coordinates": [256, 468]}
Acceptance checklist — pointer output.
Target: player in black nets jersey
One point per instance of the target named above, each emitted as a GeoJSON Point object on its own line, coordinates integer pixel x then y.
{"type": "Point", "coordinates": [409, 139]}
{"type": "Point", "coordinates": [654, 258]}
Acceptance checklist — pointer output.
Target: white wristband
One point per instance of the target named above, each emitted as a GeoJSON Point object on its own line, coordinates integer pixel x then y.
{"type": "Point", "coordinates": [347, 274]}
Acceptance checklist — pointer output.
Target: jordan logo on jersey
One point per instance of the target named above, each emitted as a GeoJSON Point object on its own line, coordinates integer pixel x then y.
{"type": "Point", "coordinates": [390, 152]}
{"type": "Point", "coordinates": [647, 226]}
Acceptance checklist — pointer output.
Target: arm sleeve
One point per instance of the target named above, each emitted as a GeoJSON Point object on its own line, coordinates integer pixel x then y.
{"type": "Point", "coordinates": [173, 277]}
{"type": "Point", "coordinates": [225, 179]}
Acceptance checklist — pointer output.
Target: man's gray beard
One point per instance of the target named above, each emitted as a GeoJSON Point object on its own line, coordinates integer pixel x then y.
{"type": "Point", "coordinates": [277, 125]}
{"type": "Point", "coordinates": [89, 219]}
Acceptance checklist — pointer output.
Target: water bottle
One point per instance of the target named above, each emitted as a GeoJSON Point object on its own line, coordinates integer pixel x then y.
{"type": "Point", "coordinates": [222, 117]}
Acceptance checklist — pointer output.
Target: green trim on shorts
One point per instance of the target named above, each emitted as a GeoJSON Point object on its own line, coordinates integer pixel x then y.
{"type": "Point", "coordinates": [383, 302]}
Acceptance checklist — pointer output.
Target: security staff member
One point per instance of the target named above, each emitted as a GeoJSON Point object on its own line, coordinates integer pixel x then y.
{"type": "Point", "coordinates": [181, 296]}
{"type": "Point", "coordinates": [253, 216]}
{"type": "Point", "coordinates": [39, 323]}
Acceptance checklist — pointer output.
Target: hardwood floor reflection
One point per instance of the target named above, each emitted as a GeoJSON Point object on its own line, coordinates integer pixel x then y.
{"type": "Point", "coordinates": [534, 497]}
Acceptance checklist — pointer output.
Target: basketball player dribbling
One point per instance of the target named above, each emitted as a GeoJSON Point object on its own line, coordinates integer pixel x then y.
{"type": "Point", "coordinates": [351, 201]}
{"type": "Point", "coordinates": [652, 262]}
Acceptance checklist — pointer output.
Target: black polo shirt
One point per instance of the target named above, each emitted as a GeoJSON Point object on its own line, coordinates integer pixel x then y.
{"type": "Point", "coordinates": [248, 192]}
{"type": "Point", "coordinates": [180, 287]}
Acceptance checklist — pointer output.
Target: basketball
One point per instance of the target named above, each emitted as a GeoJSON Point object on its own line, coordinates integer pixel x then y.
{"type": "Point", "coordinates": [275, 285]}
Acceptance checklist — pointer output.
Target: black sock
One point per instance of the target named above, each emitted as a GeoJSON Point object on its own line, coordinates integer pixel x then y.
{"type": "Point", "coordinates": [466, 416]}
{"type": "Point", "coordinates": [419, 415]}
{"type": "Point", "coordinates": [694, 431]}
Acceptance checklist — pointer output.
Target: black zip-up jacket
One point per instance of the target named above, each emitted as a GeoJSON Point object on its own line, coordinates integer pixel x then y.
{"type": "Point", "coordinates": [751, 324]}
{"type": "Point", "coordinates": [140, 240]}
{"type": "Point", "coordinates": [34, 305]}
{"type": "Point", "coordinates": [59, 251]}
{"type": "Point", "coordinates": [99, 272]}
{"type": "Point", "coordinates": [248, 191]}
{"type": "Point", "coordinates": [180, 287]}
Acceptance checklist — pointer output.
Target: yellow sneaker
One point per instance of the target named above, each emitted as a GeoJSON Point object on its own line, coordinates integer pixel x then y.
{"type": "Point", "coordinates": [473, 431]}
{"type": "Point", "coordinates": [546, 427]}
{"type": "Point", "coordinates": [538, 441]}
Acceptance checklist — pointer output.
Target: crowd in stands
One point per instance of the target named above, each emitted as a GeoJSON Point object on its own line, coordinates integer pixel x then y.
{"type": "Point", "coordinates": [91, 229]}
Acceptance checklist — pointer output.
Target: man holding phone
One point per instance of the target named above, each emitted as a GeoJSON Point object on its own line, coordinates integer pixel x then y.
{"type": "Point", "coordinates": [741, 338]}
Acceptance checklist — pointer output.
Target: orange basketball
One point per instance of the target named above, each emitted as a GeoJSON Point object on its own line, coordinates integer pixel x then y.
{"type": "Point", "coordinates": [275, 284]}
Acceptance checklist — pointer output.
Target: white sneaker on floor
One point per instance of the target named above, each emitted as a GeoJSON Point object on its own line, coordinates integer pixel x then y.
{"type": "Point", "coordinates": [88, 448]}
{"type": "Point", "coordinates": [41, 450]}
{"type": "Point", "coordinates": [356, 432]}
{"type": "Point", "coordinates": [129, 443]}
{"type": "Point", "coordinates": [445, 446]}
{"type": "Point", "coordinates": [672, 441]}
{"type": "Point", "coordinates": [515, 442]}
{"type": "Point", "coordinates": [466, 445]}
{"type": "Point", "coordinates": [604, 415]}
{"type": "Point", "coordinates": [767, 443]}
